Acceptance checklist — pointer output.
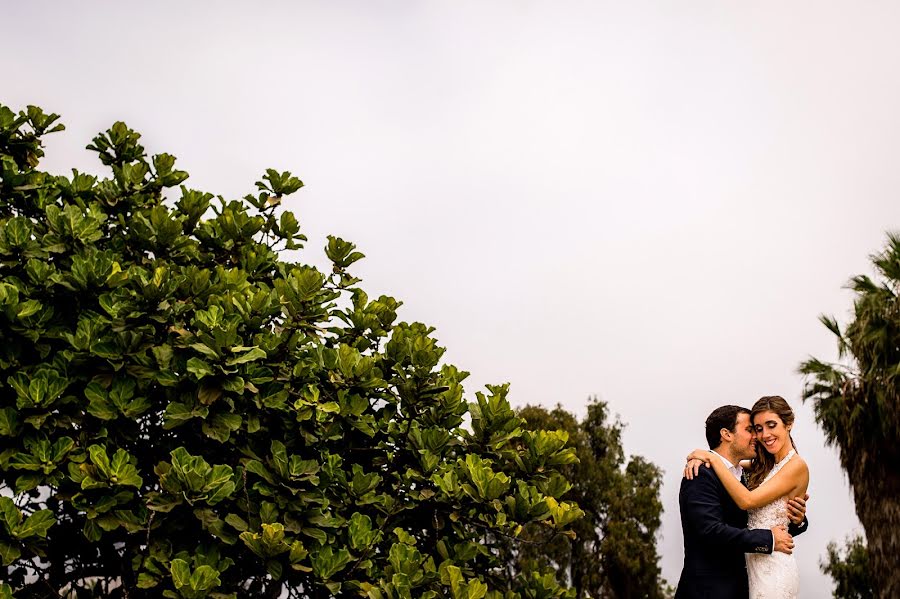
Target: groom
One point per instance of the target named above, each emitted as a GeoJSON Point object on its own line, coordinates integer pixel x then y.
{"type": "Point", "coordinates": [716, 536]}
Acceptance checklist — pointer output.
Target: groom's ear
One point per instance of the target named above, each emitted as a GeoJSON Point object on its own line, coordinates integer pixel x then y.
{"type": "Point", "coordinates": [725, 434]}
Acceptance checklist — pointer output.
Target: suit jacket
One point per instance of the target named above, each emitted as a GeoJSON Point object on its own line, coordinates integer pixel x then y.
{"type": "Point", "coordinates": [716, 538]}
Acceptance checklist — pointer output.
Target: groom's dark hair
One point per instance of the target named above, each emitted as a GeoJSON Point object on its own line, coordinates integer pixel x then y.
{"type": "Point", "coordinates": [723, 417]}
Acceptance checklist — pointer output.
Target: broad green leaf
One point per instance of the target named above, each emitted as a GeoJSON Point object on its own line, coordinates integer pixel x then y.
{"type": "Point", "coordinates": [10, 516]}
{"type": "Point", "coordinates": [221, 425]}
{"type": "Point", "coordinates": [177, 413]}
{"type": "Point", "coordinates": [8, 553]}
{"type": "Point", "coordinates": [236, 522]}
{"type": "Point", "coordinates": [204, 578]}
{"type": "Point", "coordinates": [37, 524]}
{"type": "Point", "coordinates": [92, 531]}
{"type": "Point", "coordinates": [181, 573]}
{"type": "Point", "coordinates": [25, 461]}
{"type": "Point", "coordinates": [60, 448]}
{"type": "Point", "coordinates": [28, 308]}
{"type": "Point", "coordinates": [256, 467]}
{"type": "Point", "coordinates": [27, 482]}
{"type": "Point", "coordinates": [326, 562]}
{"type": "Point", "coordinates": [199, 368]}
{"type": "Point", "coordinates": [100, 460]}
{"type": "Point", "coordinates": [251, 355]}
{"type": "Point", "coordinates": [99, 405]}
{"type": "Point", "coordinates": [147, 581]}
{"type": "Point", "coordinates": [9, 422]}
{"type": "Point", "coordinates": [122, 470]}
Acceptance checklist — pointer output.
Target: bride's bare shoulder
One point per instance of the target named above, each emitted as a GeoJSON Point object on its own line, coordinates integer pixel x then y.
{"type": "Point", "coordinates": [799, 473]}
{"type": "Point", "coordinates": [798, 466]}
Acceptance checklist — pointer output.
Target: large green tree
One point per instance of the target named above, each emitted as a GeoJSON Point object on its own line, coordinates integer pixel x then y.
{"type": "Point", "coordinates": [611, 551]}
{"type": "Point", "coordinates": [857, 404]}
{"type": "Point", "coordinates": [184, 413]}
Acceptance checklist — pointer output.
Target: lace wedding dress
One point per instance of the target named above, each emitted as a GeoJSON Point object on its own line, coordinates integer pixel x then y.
{"type": "Point", "coordinates": [775, 575]}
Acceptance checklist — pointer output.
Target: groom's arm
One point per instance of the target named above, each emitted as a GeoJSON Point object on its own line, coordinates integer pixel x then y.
{"type": "Point", "coordinates": [702, 508]}
{"type": "Point", "coordinates": [798, 529]}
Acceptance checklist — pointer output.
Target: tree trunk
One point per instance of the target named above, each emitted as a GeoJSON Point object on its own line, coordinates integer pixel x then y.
{"type": "Point", "coordinates": [876, 490]}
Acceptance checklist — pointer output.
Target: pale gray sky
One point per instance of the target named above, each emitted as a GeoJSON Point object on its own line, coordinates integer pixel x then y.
{"type": "Point", "coordinates": [651, 201]}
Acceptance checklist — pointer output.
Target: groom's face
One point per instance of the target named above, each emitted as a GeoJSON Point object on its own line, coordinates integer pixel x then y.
{"type": "Point", "coordinates": [744, 443]}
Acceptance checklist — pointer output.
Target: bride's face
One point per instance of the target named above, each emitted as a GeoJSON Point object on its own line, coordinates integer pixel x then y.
{"type": "Point", "coordinates": [771, 432]}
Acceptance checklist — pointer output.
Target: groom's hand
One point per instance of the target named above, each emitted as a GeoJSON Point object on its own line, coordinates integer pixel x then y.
{"type": "Point", "coordinates": [797, 509]}
{"type": "Point", "coordinates": [784, 542]}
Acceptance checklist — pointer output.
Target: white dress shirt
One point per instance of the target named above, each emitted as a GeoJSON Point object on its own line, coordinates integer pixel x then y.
{"type": "Point", "coordinates": [737, 471]}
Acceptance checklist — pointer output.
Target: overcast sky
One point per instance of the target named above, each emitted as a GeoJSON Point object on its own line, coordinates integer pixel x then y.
{"type": "Point", "coordinates": [650, 201]}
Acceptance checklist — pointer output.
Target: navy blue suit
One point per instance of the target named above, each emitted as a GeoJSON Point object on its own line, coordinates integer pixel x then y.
{"type": "Point", "coordinates": [716, 538]}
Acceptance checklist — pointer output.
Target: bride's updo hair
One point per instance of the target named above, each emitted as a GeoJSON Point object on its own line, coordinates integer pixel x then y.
{"type": "Point", "coordinates": [765, 461]}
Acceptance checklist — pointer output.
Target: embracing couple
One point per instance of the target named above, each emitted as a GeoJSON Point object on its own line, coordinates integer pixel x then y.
{"type": "Point", "coordinates": [740, 512]}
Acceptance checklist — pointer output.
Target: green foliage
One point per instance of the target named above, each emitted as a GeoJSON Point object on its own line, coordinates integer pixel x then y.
{"type": "Point", "coordinates": [857, 404]}
{"type": "Point", "coordinates": [186, 414]}
{"type": "Point", "coordinates": [19, 530]}
{"type": "Point", "coordinates": [611, 551]}
{"type": "Point", "coordinates": [849, 569]}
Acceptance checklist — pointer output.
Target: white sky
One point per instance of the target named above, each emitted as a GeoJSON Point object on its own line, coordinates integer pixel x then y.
{"type": "Point", "coordinates": [651, 201]}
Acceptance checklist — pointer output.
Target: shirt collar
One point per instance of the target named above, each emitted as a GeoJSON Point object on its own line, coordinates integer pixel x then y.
{"type": "Point", "coordinates": [736, 470]}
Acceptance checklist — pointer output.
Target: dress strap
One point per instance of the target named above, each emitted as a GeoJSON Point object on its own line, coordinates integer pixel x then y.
{"type": "Point", "coordinates": [786, 459]}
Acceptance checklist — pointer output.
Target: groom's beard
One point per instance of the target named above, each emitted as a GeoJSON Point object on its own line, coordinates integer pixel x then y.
{"type": "Point", "coordinates": [747, 454]}
{"type": "Point", "coordinates": [751, 452]}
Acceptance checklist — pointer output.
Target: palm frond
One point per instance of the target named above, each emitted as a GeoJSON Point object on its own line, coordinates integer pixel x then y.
{"type": "Point", "coordinates": [832, 325]}
{"type": "Point", "coordinates": [862, 284]}
{"type": "Point", "coordinates": [888, 261]}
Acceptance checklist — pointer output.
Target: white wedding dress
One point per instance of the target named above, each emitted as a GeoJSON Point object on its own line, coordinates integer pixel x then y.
{"type": "Point", "coordinates": [775, 575]}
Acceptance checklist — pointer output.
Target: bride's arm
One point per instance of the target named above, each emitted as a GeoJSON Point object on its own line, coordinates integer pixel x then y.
{"type": "Point", "coordinates": [783, 483]}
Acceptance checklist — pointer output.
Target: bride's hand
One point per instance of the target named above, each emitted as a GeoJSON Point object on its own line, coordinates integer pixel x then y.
{"type": "Point", "coordinates": [694, 461]}
{"type": "Point", "coordinates": [692, 468]}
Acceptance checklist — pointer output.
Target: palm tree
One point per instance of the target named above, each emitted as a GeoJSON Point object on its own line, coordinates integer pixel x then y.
{"type": "Point", "coordinates": [857, 404]}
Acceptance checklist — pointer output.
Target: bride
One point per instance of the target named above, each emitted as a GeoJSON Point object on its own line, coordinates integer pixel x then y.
{"type": "Point", "coordinates": [776, 474]}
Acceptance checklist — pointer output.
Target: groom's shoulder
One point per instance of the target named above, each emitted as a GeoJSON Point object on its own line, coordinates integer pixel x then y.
{"type": "Point", "coordinates": [705, 477]}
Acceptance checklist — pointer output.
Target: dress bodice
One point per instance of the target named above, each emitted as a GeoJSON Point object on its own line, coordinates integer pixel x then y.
{"type": "Point", "coordinates": [775, 513]}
